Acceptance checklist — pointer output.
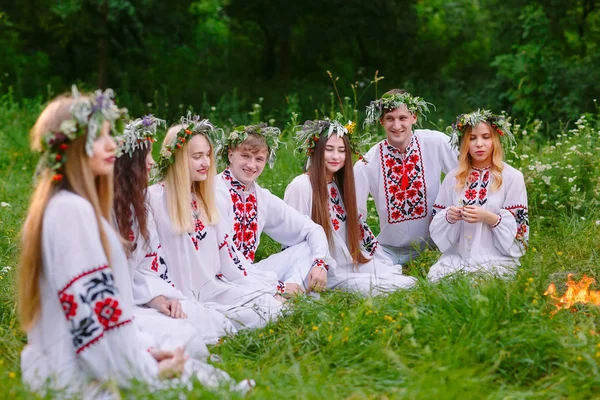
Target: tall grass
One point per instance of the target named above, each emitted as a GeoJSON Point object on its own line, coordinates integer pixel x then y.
{"type": "Point", "coordinates": [469, 338]}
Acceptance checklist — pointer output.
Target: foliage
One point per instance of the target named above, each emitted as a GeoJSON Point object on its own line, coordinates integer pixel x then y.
{"type": "Point", "coordinates": [465, 338]}
{"type": "Point", "coordinates": [533, 57]}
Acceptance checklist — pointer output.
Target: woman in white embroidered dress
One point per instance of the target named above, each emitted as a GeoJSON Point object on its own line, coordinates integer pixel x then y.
{"type": "Point", "coordinates": [327, 194]}
{"type": "Point", "coordinates": [204, 264]}
{"type": "Point", "coordinates": [481, 222]}
{"type": "Point", "coordinates": [152, 286]}
{"type": "Point", "coordinates": [74, 291]}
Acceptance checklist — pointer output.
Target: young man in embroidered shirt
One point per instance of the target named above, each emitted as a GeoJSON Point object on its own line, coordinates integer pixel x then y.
{"type": "Point", "coordinates": [252, 210]}
{"type": "Point", "coordinates": [403, 174]}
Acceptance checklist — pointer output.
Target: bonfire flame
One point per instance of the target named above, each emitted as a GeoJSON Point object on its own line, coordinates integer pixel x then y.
{"type": "Point", "coordinates": [577, 292]}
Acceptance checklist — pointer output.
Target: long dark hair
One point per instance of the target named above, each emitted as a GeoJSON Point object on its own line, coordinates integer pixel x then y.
{"type": "Point", "coordinates": [344, 178]}
{"type": "Point", "coordinates": [131, 183]}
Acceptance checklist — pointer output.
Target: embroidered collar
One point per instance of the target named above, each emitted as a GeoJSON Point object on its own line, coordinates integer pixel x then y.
{"type": "Point", "coordinates": [235, 184]}
{"type": "Point", "coordinates": [395, 150]}
{"type": "Point", "coordinates": [481, 169]}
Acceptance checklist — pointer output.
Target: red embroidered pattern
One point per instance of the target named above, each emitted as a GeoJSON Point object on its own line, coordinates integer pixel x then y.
{"type": "Point", "coordinates": [245, 216]}
{"type": "Point", "coordinates": [108, 312]}
{"type": "Point", "coordinates": [232, 254]}
{"type": "Point", "coordinates": [280, 287]}
{"type": "Point", "coordinates": [336, 208]}
{"type": "Point", "coordinates": [476, 191]}
{"type": "Point", "coordinates": [521, 214]}
{"type": "Point", "coordinates": [69, 305]}
{"type": "Point", "coordinates": [199, 234]}
{"type": "Point", "coordinates": [91, 306]}
{"type": "Point", "coordinates": [320, 263]}
{"type": "Point", "coordinates": [404, 182]}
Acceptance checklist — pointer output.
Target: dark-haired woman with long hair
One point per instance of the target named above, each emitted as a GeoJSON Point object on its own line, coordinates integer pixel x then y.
{"type": "Point", "coordinates": [152, 285]}
{"type": "Point", "coordinates": [327, 194]}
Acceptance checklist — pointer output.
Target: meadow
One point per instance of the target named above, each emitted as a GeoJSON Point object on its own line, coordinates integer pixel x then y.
{"type": "Point", "coordinates": [467, 338]}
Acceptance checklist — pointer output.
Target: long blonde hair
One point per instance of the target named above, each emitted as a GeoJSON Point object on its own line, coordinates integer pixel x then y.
{"type": "Point", "coordinates": [177, 182]}
{"type": "Point", "coordinates": [79, 179]}
{"type": "Point", "coordinates": [465, 162]}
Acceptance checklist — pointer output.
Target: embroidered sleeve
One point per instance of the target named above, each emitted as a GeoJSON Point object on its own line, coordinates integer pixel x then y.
{"type": "Point", "coordinates": [368, 242]}
{"type": "Point", "coordinates": [444, 233]}
{"type": "Point", "coordinates": [232, 265]}
{"type": "Point", "coordinates": [511, 233]}
{"type": "Point", "coordinates": [98, 319]}
{"type": "Point", "coordinates": [149, 267]}
{"type": "Point", "coordinates": [92, 307]}
{"type": "Point", "coordinates": [319, 263]}
{"type": "Point", "coordinates": [521, 215]}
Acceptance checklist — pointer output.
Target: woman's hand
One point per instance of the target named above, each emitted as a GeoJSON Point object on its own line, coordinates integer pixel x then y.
{"type": "Point", "coordinates": [472, 214]}
{"type": "Point", "coordinates": [170, 363]}
{"type": "Point", "coordinates": [169, 307]}
{"type": "Point", "coordinates": [292, 289]}
{"type": "Point", "coordinates": [454, 214]}
{"type": "Point", "coordinates": [317, 279]}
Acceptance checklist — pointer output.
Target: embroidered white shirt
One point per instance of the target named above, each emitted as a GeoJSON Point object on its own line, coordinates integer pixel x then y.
{"type": "Point", "coordinates": [404, 185]}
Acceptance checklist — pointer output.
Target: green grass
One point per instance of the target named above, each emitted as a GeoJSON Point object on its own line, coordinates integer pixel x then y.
{"type": "Point", "coordinates": [479, 339]}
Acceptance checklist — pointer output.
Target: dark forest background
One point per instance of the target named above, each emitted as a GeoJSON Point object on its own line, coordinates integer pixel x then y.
{"type": "Point", "coordinates": [534, 59]}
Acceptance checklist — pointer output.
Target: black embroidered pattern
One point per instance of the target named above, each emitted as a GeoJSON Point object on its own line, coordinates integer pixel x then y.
{"type": "Point", "coordinates": [368, 241]}
{"type": "Point", "coordinates": [91, 306]}
{"type": "Point", "coordinates": [199, 234]}
{"type": "Point", "coordinates": [521, 214]}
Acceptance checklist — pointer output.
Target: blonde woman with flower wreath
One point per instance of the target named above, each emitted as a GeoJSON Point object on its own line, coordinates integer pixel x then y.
{"type": "Point", "coordinates": [327, 194]}
{"type": "Point", "coordinates": [402, 173]}
{"type": "Point", "coordinates": [252, 210]}
{"type": "Point", "coordinates": [74, 291]}
{"type": "Point", "coordinates": [481, 222]}
{"type": "Point", "coordinates": [153, 288]}
{"type": "Point", "coordinates": [203, 261]}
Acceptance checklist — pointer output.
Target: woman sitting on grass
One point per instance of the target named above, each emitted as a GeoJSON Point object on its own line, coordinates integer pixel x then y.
{"type": "Point", "coordinates": [152, 286]}
{"type": "Point", "coordinates": [327, 194]}
{"type": "Point", "coordinates": [481, 223]}
{"type": "Point", "coordinates": [74, 288]}
{"type": "Point", "coordinates": [204, 264]}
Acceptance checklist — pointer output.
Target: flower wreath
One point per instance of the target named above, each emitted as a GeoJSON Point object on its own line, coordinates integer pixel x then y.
{"type": "Point", "coordinates": [308, 135]}
{"type": "Point", "coordinates": [237, 136]}
{"type": "Point", "coordinates": [497, 122]}
{"type": "Point", "coordinates": [138, 134]}
{"type": "Point", "coordinates": [87, 116]}
{"type": "Point", "coordinates": [415, 105]}
{"type": "Point", "coordinates": [192, 126]}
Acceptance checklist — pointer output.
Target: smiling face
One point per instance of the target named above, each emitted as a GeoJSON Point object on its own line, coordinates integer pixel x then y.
{"type": "Point", "coordinates": [104, 147]}
{"type": "Point", "coordinates": [198, 152]}
{"type": "Point", "coordinates": [398, 125]}
{"type": "Point", "coordinates": [334, 155]}
{"type": "Point", "coordinates": [247, 165]}
{"type": "Point", "coordinates": [481, 145]}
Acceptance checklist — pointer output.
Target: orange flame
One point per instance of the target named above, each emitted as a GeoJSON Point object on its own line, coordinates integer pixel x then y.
{"type": "Point", "coordinates": [577, 292]}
